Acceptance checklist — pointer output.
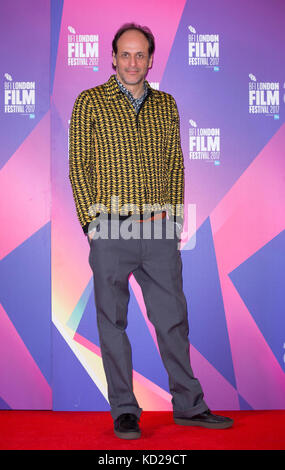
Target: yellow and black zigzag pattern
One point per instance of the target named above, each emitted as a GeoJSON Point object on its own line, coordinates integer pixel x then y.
{"type": "Point", "coordinates": [113, 151]}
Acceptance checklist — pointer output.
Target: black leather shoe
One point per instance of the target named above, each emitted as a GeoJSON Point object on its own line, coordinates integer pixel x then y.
{"type": "Point", "coordinates": [206, 420]}
{"type": "Point", "coordinates": [126, 426]}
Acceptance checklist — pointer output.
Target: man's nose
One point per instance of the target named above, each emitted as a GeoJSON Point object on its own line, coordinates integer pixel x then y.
{"type": "Point", "coordinates": [133, 61]}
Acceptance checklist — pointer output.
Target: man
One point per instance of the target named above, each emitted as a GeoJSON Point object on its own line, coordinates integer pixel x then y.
{"type": "Point", "coordinates": [125, 144]}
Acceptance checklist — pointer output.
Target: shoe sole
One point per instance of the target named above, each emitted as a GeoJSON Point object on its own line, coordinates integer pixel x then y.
{"type": "Point", "coordinates": [128, 435]}
{"type": "Point", "coordinates": [189, 422]}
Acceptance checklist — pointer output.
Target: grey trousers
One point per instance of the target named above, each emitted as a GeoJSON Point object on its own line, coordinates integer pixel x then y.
{"type": "Point", "coordinates": [157, 266]}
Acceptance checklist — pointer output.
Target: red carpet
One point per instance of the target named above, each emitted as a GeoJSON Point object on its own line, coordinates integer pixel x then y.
{"type": "Point", "coordinates": [54, 430]}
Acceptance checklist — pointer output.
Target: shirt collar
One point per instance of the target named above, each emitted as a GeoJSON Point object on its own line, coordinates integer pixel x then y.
{"type": "Point", "coordinates": [135, 102]}
{"type": "Point", "coordinates": [129, 93]}
{"type": "Point", "coordinates": [112, 89]}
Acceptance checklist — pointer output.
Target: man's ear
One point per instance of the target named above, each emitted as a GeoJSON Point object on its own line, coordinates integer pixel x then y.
{"type": "Point", "coordinates": [114, 59]}
{"type": "Point", "coordinates": [150, 61]}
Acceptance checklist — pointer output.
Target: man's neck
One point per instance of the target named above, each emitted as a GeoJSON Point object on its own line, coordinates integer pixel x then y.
{"type": "Point", "coordinates": [136, 90]}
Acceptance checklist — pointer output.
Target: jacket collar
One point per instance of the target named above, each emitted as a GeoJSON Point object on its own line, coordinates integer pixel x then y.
{"type": "Point", "coordinates": [113, 90]}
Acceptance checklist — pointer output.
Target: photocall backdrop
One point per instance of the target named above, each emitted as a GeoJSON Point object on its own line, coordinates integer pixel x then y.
{"type": "Point", "coordinates": [222, 61]}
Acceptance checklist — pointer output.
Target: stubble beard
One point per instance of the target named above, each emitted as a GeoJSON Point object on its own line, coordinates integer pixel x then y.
{"type": "Point", "coordinates": [124, 79]}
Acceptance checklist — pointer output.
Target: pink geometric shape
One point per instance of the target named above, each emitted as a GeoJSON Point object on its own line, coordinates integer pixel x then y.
{"type": "Point", "coordinates": [252, 212]}
{"type": "Point", "coordinates": [219, 393]}
{"type": "Point", "coordinates": [22, 385]}
{"type": "Point", "coordinates": [149, 395]}
{"type": "Point", "coordinates": [87, 344]}
{"type": "Point", "coordinates": [69, 259]}
{"type": "Point", "coordinates": [25, 188]}
{"type": "Point", "coordinates": [260, 379]}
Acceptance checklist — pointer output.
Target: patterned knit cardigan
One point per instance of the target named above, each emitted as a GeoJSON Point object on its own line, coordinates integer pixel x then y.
{"type": "Point", "coordinates": [114, 151]}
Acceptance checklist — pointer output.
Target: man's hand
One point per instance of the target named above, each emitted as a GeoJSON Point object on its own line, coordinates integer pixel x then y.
{"type": "Point", "coordinates": [90, 235]}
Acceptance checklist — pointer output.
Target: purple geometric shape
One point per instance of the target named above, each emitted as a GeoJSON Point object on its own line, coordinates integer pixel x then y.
{"type": "Point", "coordinates": [25, 291]}
{"type": "Point", "coordinates": [260, 283]}
{"type": "Point", "coordinates": [26, 59]}
{"type": "Point", "coordinates": [88, 324]}
{"type": "Point", "coordinates": [208, 328]}
{"type": "Point", "coordinates": [4, 405]}
{"type": "Point", "coordinates": [56, 7]}
{"type": "Point", "coordinates": [73, 388]}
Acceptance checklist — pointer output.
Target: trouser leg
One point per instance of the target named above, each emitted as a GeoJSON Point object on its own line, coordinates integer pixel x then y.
{"type": "Point", "coordinates": [112, 261]}
{"type": "Point", "coordinates": [160, 278]}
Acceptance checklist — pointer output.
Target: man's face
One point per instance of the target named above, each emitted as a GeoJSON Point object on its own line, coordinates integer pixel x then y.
{"type": "Point", "coordinates": [132, 60]}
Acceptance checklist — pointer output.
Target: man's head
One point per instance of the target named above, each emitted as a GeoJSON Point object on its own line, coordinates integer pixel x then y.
{"type": "Point", "coordinates": [133, 48]}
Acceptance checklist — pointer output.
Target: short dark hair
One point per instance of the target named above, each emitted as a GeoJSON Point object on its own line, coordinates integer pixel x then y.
{"type": "Point", "coordinates": [143, 29]}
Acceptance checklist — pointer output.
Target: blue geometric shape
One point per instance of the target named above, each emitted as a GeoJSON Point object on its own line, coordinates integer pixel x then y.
{"type": "Point", "coordinates": [260, 283]}
{"type": "Point", "coordinates": [56, 7]}
{"type": "Point", "coordinates": [87, 326]}
{"type": "Point", "coordinates": [207, 324]}
{"type": "Point", "coordinates": [4, 405]}
{"type": "Point", "coordinates": [25, 291]}
{"type": "Point", "coordinates": [77, 314]}
{"type": "Point", "coordinates": [73, 388]}
{"type": "Point", "coordinates": [243, 405]}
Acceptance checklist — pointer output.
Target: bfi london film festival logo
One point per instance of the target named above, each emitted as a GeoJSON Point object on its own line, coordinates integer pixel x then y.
{"type": "Point", "coordinates": [204, 143]}
{"type": "Point", "coordinates": [263, 97]}
{"type": "Point", "coordinates": [19, 97]}
{"type": "Point", "coordinates": [203, 49]}
{"type": "Point", "coordinates": [82, 50]}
